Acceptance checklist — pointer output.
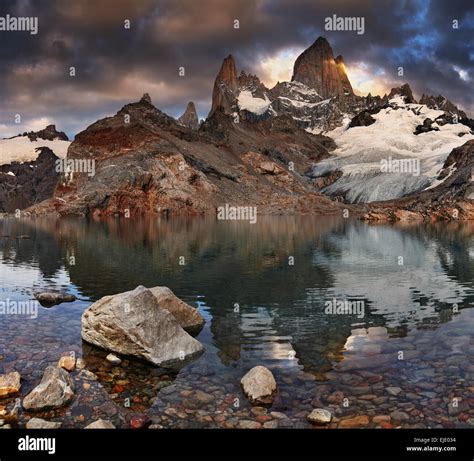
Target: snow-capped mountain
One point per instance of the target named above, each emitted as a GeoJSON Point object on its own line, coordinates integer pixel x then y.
{"type": "Point", "coordinates": [368, 131]}
{"type": "Point", "coordinates": [318, 97]}
{"type": "Point", "coordinates": [27, 167]}
{"type": "Point", "coordinates": [25, 147]}
{"type": "Point", "coordinates": [341, 148]}
{"type": "Point", "coordinates": [364, 153]}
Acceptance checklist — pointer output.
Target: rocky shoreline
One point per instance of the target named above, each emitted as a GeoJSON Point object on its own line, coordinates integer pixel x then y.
{"type": "Point", "coordinates": [368, 390]}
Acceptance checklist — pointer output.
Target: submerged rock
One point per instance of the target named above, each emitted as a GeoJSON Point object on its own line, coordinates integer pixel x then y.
{"type": "Point", "coordinates": [259, 385]}
{"type": "Point", "coordinates": [68, 362]}
{"type": "Point", "coordinates": [10, 384]}
{"type": "Point", "coordinates": [354, 422]}
{"type": "Point", "coordinates": [55, 390]}
{"type": "Point", "coordinates": [319, 416]}
{"type": "Point", "coordinates": [49, 299]}
{"type": "Point", "coordinates": [38, 423]}
{"type": "Point", "coordinates": [139, 421]}
{"type": "Point", "coordinates": [188, 317]}
{"type": "Point", "coordinates": [134, 324]}
{"type": "Point", "coordinates": [100, 424]}
{"type": "Point", "coordinates": [113, 359]}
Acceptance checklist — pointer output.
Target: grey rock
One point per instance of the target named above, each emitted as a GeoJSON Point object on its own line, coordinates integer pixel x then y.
{"type": "Point", "coordinates": [319, 416]}
{"type": "Point", "coordinates": [38, 423]}
{"type": "Point", "coordinates": [55, 390]}
{"type": "Point", "coordinates": [100, 424]}
{"type": "Point", "coordinates": [188, 317]}
{"type": "Point", "coordinates": [259, 385]}
{"type": "Point", "coordinates": [48, 299]}
{"type": "Point", "coordinates": [132, 323]}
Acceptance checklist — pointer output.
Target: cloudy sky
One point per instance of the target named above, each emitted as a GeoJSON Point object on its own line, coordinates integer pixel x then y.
{"type": "Point", "coordinates": [115, 65]}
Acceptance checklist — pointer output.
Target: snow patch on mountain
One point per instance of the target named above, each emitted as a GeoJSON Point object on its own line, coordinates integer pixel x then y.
{"type": "Point", "coordinates": [247, 101]}
{"type": "Point", "coordinates": [361, 151]}
{"type": "Point", "coordinates": [20, 149]}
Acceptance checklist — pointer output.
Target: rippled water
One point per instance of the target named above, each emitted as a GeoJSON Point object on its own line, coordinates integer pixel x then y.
{"type": "Point", "coordinates": [263, 290]}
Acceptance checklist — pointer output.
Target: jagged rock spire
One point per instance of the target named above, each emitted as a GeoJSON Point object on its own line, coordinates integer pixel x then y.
{"type": "Point", "coordinates": [317, 68]}
{"type": "Point", "coordinates": [190, 117]}
{"type": "Point", "coordinates": [225, 86]}
{"type": "Point", "coordinates": [146, 98]}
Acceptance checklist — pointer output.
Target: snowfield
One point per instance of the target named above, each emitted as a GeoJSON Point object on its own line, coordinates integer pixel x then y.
{"type": "Point", "coordinates": [21, 149]}
{"type": "Point", "coordinates": [258, 106]}
{"type": "Point", "coordinates": [361, 150]}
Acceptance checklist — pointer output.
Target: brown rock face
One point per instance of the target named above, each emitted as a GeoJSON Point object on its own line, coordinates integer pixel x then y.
{"type": "Point", "coordinates": [317, 68]}
{"type": "Point", "coordinates": [190, 118]}
{"type": "Point", "coordinates": [225, 87]}
{"type": "Point", "coordinates": [341, 69]}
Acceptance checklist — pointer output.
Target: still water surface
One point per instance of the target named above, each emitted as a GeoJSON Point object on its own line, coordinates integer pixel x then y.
{"type": "Point", "coordinates": [263, 290]}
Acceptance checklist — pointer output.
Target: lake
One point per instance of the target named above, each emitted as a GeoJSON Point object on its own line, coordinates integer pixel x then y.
{"type": "Point", "coordinates": [373, 323]}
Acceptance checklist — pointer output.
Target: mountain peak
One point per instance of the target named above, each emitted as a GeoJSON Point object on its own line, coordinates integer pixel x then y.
{"type": "Point", "coordinates": [225, 86]}
{"type": "Point", "coordinates": [146, 98]}
{"type": "Point", "coordinates": [190, 118]}
{"type": "Point", "coordinates": [317, 68]}
{"type": "Point", "coordinates": [50, 133]}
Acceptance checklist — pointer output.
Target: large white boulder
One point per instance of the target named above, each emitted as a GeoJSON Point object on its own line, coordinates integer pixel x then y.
{"type": "Point", "coordinates": [134, 324]}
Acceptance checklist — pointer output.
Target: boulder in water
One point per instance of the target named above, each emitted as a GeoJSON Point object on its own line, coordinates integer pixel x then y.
{"type": "Point", "coordinates": [134, 324]}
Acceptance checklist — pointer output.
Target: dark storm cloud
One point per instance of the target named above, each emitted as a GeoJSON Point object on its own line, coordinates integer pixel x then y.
{"type": "Point", "coordinates": [115, 66]}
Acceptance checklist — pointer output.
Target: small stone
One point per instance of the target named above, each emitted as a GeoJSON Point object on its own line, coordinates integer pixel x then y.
{"type": "Point", "coordinates": [319, 416]}
{"type": "Point", "coordinates": [393, 390]}
{"type": "Point", "coordinates": [203, 397]}
{"type": "Point", "coordinates": [100, 424]}
{"type": "Point", "coordinates": [381, 418]}
{"type": "Point", "coordinates": [399, 416]}
{"type": "Point", "coordinates": [336, 397]}
{"type": "Point", "coordinates": [55, 390]}
{"type": "Point", "coordinates": [247, 424]}
{"type": "Point", "coordinates": [139, 421]}
{"type": "Point", "coordinates": [356, 421]}
{"type": "Point", "coordinates": [263, 418]}
{"type": "Point", "coordinates": [68, 361]}
{"type": "Point", "coordinates": [259, 385]}
{"type": "Point", "coordinates": [270, 424]}
{"type": "Point", "coordinates": [113, 359]}
{"type": "Point", "coordinates": [80, 364]}
{"type": "Point", "coordinates": [278, 415]}
{"type": "Point", "coordinates": [10, 384]}
{"type": "Point", "coordinates": [38, 423]}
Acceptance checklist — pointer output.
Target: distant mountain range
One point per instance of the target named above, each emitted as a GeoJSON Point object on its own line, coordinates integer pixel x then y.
{"type": "Point", "coordinates": [306, 146]}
